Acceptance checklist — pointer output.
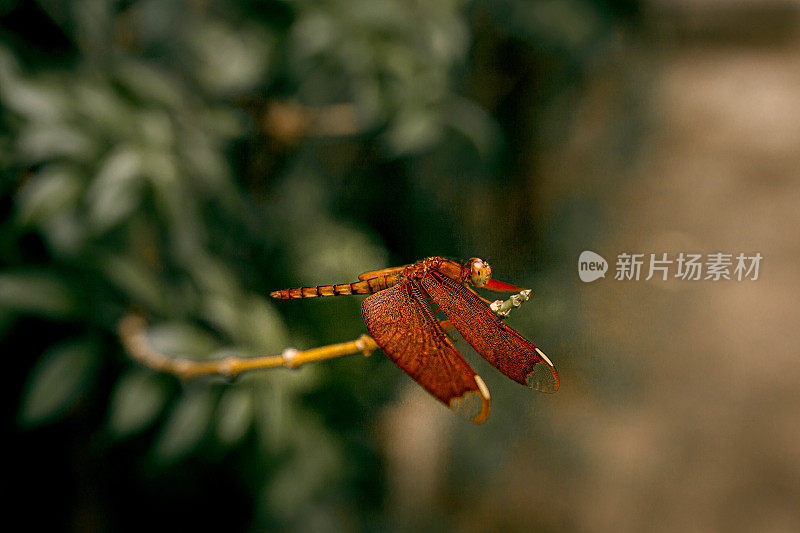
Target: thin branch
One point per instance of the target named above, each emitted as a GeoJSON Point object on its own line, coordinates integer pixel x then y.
{"type": "Point", "coordinates": [131, 331]}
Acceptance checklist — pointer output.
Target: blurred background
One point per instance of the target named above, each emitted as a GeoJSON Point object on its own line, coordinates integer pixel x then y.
{"type": "Point", "coordinates": [182, 159]}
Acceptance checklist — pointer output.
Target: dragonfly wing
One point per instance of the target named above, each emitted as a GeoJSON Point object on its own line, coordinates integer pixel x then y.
{"type": "Point", "coordinates": [503, 347]}
{"type": "Point", "coordinates": [405, 328]}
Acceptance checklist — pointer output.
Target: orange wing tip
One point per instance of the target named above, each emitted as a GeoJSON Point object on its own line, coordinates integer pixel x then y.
{"type": "Point", "coordinates": [544, 377]}
{"type": "Point", "coordinates": [473, 405]}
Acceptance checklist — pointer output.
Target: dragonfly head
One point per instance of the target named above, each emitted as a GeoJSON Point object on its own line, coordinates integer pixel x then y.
{"type": "Point", "coordinates": [479, 272]}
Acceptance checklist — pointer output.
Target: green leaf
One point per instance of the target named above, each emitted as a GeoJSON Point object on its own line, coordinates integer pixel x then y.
{"type": "Point", "coordinates": [37, 293]}
{"type": "Point", "coordinates": [187, 424]}
{"type": "Point", "coordinates": [232, 60]}
{"type": "Point", "coordinates": [150, 84]}
{"type": "Point", "coordinates": [57, 381]}
{"type": "Point", "coordinates": [38, 143]}
{"type": "Point", "coordinates": [34, 102]}
{"type": "Point", "coordinates": [234, 415]}
{"type": "Point", "coordinates": [91, 20]}
{"type": "Point", "coordinates": [181, 339]}
{"type": "Point", "coordinates": [115, 192]}
{"type": "Point", "coordinates": [413, 132]}
{"type": "Point", "coordinates": [271, 411]}
{"type": "Point", "coordinates": [475, 124]}
{"type": "Point", "coordinates": [140, 283]}
{"type": "Point", "coordinates": [48, 193]}
{"type": "Point", "coordinates": [135, 403]}
{"type": "Point", "coordinates": [260, 325]}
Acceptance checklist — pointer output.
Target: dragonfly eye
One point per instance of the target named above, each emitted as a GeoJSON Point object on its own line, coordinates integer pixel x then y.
{"type": "Point", "coordinates": [479, 272]}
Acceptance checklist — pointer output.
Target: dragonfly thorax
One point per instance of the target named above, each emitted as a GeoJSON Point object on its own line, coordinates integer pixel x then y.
{"type": "Point", "coordinates": [475, 271]}
{"type": "Point", "coordinates": [420, 269]}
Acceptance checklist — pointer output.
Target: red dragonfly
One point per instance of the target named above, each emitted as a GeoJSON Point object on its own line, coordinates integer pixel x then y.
{"type": "Point", "coordinates": [400, 316]}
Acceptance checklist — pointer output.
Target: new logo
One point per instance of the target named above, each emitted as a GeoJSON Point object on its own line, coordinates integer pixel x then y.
{"type": "Point", "coordinates": [591, 266]}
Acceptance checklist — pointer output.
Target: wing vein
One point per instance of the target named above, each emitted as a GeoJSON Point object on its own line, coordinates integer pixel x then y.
{"type": "Point", "coordinates": [402, 324]}
{"type": "Point", "coordinates": [492, 338]}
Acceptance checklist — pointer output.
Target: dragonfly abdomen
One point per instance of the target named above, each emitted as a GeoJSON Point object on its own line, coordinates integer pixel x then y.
{"type": "Point", "coordinates": [367, 286]}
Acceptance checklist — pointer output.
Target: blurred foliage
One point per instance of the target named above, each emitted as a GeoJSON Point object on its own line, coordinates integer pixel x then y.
{"type": "Point", "coordinates": [173, 158]}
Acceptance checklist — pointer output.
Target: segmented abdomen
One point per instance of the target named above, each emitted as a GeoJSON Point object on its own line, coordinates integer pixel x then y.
{"type": "Point", "coordinates": [367, 286]}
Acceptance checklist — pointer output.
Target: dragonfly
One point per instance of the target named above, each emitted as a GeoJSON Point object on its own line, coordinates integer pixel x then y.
{"type": "Point", "coordinates": [401, 316]}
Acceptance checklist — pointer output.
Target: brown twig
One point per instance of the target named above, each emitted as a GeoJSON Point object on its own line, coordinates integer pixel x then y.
{"type": "Point", "coordinates": [131, 331]}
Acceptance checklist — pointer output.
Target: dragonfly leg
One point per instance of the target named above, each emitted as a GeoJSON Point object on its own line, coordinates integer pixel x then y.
{"type": "Point", "coordinates": [484, 300]}
{"type": "Point", "coordinates": [502, 308]}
